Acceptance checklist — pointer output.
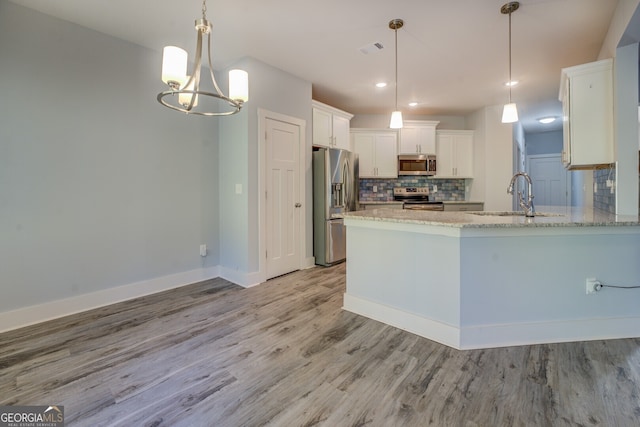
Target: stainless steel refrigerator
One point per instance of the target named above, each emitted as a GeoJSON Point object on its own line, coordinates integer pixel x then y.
{"type": "Point", "coordinates": [335, 191]}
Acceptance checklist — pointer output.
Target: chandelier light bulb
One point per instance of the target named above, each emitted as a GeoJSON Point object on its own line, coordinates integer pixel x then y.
{"type": "Point", "coordinates": [174, 65]}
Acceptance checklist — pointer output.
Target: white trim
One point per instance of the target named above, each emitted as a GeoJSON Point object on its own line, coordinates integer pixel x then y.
{"type": "Point", "coordinates": [26, 316]}
{"type": "Point", "coordinates": [246, 280]}
{"type": "Point", "coordinates": [427, 328]}
{"type": "Point", "coordinates": [263, 115]}
{"type": "Point", "coordinates": [309, 262]}
{"type": "Point", "coordinates": [491, 336]}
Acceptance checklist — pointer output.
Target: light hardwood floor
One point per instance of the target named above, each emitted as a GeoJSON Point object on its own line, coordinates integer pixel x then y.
{"type": "Point", "coordinates": [285, 354]}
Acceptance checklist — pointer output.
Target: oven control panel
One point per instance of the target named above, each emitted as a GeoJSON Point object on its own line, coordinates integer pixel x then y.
{"type": "Point", "coordinates": [407, 191]}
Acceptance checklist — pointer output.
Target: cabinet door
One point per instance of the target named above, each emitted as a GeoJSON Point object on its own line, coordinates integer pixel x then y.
{"type": "Point", "coordinates": [420, 139]}
{"type": "Point", "coordinates": [409, 140]}
{"type": "Point", "coordinates": [444, 156]}
{"type": "Point", "coordinates": [427, 140]}
{"type": "Point", "coordinates": [322, 128]}
{"type": "Point", "coordinates": [386, 155]}
{"type": "Point", "coordinates": [463, 156]}
{"type": "Point", "coordinates": [364, 146]}
{"type": "Point", "coordinates": [566, 126]}
{"type": "Point", "coordinates": [591, 98]}
{"type": "Point", "coordinates": [341, 132]}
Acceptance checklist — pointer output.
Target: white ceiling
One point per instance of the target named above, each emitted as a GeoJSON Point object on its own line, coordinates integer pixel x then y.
{"type": "Point", "coordinates": [452, 54]}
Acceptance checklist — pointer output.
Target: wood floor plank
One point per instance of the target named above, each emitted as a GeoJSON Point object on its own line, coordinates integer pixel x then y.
{"type": "Point", "coordinates": [285, 354]}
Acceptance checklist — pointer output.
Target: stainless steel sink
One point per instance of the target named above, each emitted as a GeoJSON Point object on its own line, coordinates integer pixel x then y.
{"type": "Point", "coordinates": [511, 213]}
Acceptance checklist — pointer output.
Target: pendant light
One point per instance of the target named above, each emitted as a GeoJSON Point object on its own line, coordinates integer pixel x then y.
{"type": "Point", "coordinates": [510, 112]}
{"type": "Point", "coordinates": [396, 116]}
{"type": "Point", "coordinates": [185, 90]}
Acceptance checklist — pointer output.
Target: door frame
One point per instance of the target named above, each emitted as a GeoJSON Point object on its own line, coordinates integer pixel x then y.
{"type": "Point", "coordinates": [566, 172]}
{"type": "Point", "coordinates": [263, 116]}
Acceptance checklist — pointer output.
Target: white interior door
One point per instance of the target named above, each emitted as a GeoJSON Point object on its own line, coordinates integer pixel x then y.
{"type": "Point", "coordinates": [549, 180]}
{"type": "Point", "coordinates": [283, 207]}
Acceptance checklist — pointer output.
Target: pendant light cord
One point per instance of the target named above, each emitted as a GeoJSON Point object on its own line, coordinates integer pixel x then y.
{"type": "Point", "coordinates": [396, 33]}
{"type": "Point", "coordinates": [510, 80]}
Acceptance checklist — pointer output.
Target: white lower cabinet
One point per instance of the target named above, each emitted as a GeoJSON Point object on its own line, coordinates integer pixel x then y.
{"type": "Point", "coordinates": [377, 151]}
{"type": "Point", "coordinates": [454, 154]}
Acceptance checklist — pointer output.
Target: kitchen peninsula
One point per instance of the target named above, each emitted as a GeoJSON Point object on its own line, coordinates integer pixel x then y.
{"type": "Point", "coordinates": [494, 279]}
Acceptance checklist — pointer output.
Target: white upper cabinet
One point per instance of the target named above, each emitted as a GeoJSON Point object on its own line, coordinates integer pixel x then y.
{"type": "Point", "coordinates": [330, 126]}
{"type": "Point", "coordinates": [586, 92]}
{"type": "Point", "coordinates": [418, 137]}
{"type": "Point", "coordinates": [377, 152]}
{"type": "Point", "coordinates": [454, 154]}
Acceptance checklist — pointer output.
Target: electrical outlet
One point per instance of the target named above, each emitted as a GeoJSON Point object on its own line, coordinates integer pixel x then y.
{"type": "Point", "coordinates": [203, 250]}
{"type": "Point", "coordinates": [375, 188]}
{"type": "Point", "coordinates": [595, 187]}
{"type": "Point", "coordinates": [609, 183]}
{"type": "Point", "coordinates": [435, 188]}
{"type": "Point", "coordinates": [593, 285]}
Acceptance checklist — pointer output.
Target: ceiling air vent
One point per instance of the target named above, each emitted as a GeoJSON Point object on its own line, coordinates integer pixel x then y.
{"type": "Point", "coordinates": [371, 48]}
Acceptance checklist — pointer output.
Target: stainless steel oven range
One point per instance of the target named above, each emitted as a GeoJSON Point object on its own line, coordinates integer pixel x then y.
{"type": "Point", "coordinates": [416, 198]}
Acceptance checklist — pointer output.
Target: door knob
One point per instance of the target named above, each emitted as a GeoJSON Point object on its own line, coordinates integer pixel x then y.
{"type": "Point", "coordinates": [298, 205]}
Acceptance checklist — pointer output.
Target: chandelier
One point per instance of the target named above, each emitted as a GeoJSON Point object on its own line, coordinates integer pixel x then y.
{"type": "Point", "coordinates": [184, 90]}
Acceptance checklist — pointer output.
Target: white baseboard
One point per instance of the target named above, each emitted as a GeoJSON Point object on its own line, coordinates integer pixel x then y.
{"type": "Point", "coordinates": [491, 336]}
{"type": "Point", "coordinates": [431, 329]}
{"type": "Point", "coordinates": [26, 316]}
{"type": "Point", "coordinates": [241, 278]}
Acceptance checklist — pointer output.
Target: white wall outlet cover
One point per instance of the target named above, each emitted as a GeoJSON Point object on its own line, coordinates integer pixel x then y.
{"type": "Point", "coordinates": [435, 188]}
{"type": "Point", "coordinates": [203, 250]}
{"type": "Point", "coordinates": [375, 188]}
{"type": "Point", "coordinates": [238, 188]}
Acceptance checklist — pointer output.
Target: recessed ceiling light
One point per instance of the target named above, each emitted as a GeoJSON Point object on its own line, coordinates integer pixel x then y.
{"type": "Point", "coordinates": [547, 120]}
{"type": "Point", "coordinates": [381, 84]}
{"type": "Point", "coordinates": [511, 83]}
{"type": "Point", "coordinates": [413, 104]}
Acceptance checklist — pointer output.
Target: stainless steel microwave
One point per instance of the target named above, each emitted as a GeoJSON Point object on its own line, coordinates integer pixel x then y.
{"type": "Point", "coordinates": [416, 164]}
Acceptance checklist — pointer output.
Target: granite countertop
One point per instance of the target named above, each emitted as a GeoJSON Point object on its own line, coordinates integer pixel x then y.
{"type": "Point", "coordinates": [382, 202]}
{"type": "Point", "coordinates": [461, 202]}
{"type": "Point", "coordinates": [547, 216]}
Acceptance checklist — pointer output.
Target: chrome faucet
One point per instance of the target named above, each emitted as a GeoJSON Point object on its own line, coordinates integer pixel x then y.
{"type": "Point", "coordinates": [527, 206]}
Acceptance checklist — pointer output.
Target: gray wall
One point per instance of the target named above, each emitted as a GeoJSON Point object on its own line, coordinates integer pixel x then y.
{"type": "Point", "coordinates": [240, 146]}
{"type": "Point", "coordinates": [543, 142]}
{"type": "Point", "coordinates": [100, 185]}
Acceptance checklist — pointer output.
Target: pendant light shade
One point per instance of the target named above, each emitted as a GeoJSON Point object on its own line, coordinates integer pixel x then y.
{"type": "Point", "coordinates": [396, 120]}
{"type": "Point", "coordinates": [396, 116]}
{"type": "Point", "coordinates": [510, 112]}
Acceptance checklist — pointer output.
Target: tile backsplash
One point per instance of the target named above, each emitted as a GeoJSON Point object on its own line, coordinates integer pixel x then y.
{"type": "Point", "coordinates": [448, 189]}
{"type": "Point", "coordinates": [603, 198]}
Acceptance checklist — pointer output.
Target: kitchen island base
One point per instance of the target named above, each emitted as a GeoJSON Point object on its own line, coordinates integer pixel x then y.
{"type": "Point", "coordinates": [483, 287]}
